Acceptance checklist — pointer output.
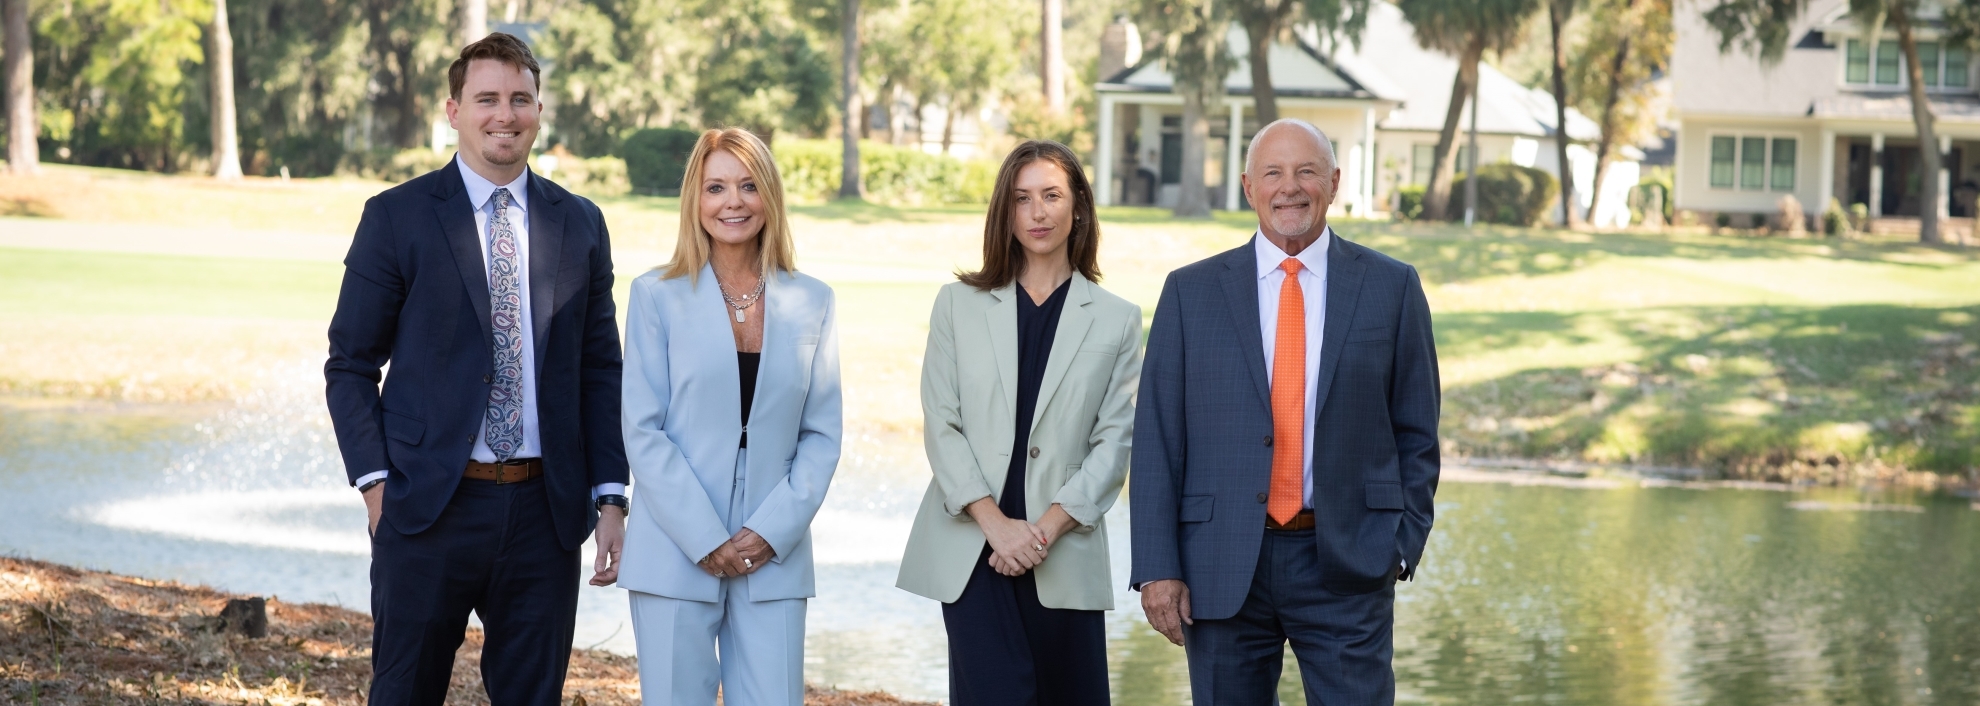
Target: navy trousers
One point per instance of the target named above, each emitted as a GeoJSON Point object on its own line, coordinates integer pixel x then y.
{"type": "Point", "coordinates": [493, 552]}
{"type": "Point", "coordinates": [1343, 643]}
{"type": "Point", "coordinates": [1007, 649]}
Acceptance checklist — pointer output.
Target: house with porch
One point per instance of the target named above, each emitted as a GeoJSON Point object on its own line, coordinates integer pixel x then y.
{"type": "Point", "coordinates": [1382, 105]}
{"type": "Point", "coordinates": [1832, 120]}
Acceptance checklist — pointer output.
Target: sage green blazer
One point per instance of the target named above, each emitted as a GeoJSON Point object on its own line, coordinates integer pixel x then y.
{"type": "Point", "coordinates": [1081, 435]}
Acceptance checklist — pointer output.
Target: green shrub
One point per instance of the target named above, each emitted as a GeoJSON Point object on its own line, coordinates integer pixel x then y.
{"type": "Point", "coordinates": [897, 176]}
{"type": "Point", "coordinates": [1509, 194]}
{"type": "Point", "coordinates": [1409, 202]}
{"type": "Point", "coordinates": [306, 155]}
{"type": "Point", "coordinates": [1835, 222]}
{"type": "Point", "coordinates": [656, 159]}
{"type": "Point", "coordinates": [395, 166]}
{"type": "Point", "coordinates": [598, 176]}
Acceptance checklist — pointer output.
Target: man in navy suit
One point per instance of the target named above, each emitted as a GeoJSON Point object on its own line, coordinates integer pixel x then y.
{"type": "Point", "coordinates": [494, 444]}
{"type": "Point", "coordinates": [1285, 446]}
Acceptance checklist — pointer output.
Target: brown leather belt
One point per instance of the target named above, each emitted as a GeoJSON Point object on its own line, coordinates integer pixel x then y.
{"type": "Point", "coordinates": [516, 470]}
{"type": "Point", "coordinates": [1303, 520]}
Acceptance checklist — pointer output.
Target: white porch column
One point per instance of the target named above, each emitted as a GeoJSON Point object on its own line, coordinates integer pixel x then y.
{"type": "Point", "coordinates": [1367, 167]}
{"type": "Point", "coordinates": [1877, 175]}
{"type": "Point", "coordinates": [1234, 157]}
{"type": "Point", "coordinates": [1106, 158]}
{"type": "Point", "coordinates": [1825, 180]}
{"type": "Point", "coordinates": [1945, 177]}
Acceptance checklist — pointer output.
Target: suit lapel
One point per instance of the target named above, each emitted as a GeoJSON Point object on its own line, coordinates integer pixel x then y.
{"type": "Point", "coordinates": [546, 244]}
{"type": "Point", "coordinates": [1002, 319]}
{"type": "Point", "coordinates": [456, 213]}
{"type": "Point", "coordinates": [1241, 294]}
{"type": "Point", "coordinates": [1344, 269]}
{"type": "Point", "coordinates": [1074, 322]}
{"type": "Point", "coordinates": [774, 310]}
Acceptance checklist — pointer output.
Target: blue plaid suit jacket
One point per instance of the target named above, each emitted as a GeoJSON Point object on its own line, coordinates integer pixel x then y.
{"type": "Point", "coordinates": [1202, 458]}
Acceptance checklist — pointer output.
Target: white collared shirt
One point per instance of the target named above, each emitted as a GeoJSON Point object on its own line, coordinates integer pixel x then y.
{"type": "Point", "coordinates": [481, 193]}
{"type": "Point", "coordinates": [1313, 287]}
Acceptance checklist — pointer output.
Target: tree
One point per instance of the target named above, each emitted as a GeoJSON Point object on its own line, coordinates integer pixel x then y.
{"type": "Point", "coordinates": [963, 54]}
{"type": "Point", "coordinates": [1762, 27]}
{"type": "Point", "coordinates": [1466, 29]}
{"type": "Point", "coordinates": [1052, 54]}
{"type": "Point", "coordinates": [23, 124]}
{"type": "Point", "coordinates": [409, 51]}
{"type": "Point", "coordinates": [1628, 43]}
{"type": "Point", "coordinates": [1265, 20]}
{"type": "Point", "coordinates": [474, 21]}
{"type": "Point", "coordinates": [1558, 14]}
{"type": "Point", "coordinates": [849, 187]}
{"type": "Point", "coordinates": [763, 73]}
{"type": "Point", "coordinates": [1191, 38]}
{"type": "Point", "coordinates": [622, 66]}
{"type": "Point", "coordinates": [220, 67]}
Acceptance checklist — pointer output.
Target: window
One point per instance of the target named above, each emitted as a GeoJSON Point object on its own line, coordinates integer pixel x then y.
{"type": "Point", "coordinates": [1722, 162]}
{"type": "Point", "coordinates": [1857, 64]}
{"type": "Point", "coordinates": [1753, 163]}
{"type": "Point", "coordinates": [1887, 63]}
{"type": "Point", "coordinates": [1942, 66]}
{"type": "Point", "coordinates": [1423, 156]}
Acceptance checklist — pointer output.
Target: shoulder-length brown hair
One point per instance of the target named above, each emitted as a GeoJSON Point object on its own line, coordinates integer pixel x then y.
{"type": "Point", "coordinates": [773, 245]}
{"type": "Point", "coordinates": [1003, 254]}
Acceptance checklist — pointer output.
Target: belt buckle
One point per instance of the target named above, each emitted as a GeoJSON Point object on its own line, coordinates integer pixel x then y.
{"type": "Point", "coordinates": [502, 472]}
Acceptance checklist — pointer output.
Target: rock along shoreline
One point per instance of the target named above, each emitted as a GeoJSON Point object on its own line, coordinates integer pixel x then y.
{"type": "Point", "coordinates": [74, 636]}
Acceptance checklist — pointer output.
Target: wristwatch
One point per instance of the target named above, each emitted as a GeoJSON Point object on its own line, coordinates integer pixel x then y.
{"type": "Point", "coordinates": [612, 499]}
{"type": "Point", "coordinates": [367, 486]}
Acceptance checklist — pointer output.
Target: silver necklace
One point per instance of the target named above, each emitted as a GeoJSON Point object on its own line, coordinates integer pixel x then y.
{"type": "Point", "coordinates": [743, 302]}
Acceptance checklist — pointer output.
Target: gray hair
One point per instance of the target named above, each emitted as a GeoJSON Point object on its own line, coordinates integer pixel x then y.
{"type": "Point", "coordinates": [1326, 145]}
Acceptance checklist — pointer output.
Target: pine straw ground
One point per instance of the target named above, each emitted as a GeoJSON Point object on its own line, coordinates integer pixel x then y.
{"type": "Point", "coordinates": [70, 636]}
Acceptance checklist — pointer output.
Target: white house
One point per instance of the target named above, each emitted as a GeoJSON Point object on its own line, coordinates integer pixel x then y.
{"type": "Point", "coordinates": [1383, 106]}
{"type": "Point", "coordinates": [1831, 120]}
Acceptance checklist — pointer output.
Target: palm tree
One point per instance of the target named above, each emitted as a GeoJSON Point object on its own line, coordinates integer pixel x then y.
{"type": "Point", "coordinates": [220, 65]}
{"type": "Point", "coordinates": [849, 187]}
{"type": "Point", "coordinates": [1763, 28]}
{"type": "Point", "coordinates": [1264, 20]}
{"type": "Point", "coordinates": [1558, 14]}
{"type": "Point", "coordinates": [1193, 42]}
{"type": "Point", "coordinates": [23, 125]}
{"type": "Point", "coordinates": [1467, 29]}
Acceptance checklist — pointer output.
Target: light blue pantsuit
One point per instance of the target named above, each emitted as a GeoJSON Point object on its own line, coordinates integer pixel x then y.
{"type": "Point", "coordinates": [693, 488]}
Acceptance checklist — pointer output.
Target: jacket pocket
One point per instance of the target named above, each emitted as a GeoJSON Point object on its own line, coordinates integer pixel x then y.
{"type": "Point", "coordinates": [1384, 496]}
{"type": "Point", "coordinates": [399, 427]}
{"type": "Point", "coordinates": [1197, 508]}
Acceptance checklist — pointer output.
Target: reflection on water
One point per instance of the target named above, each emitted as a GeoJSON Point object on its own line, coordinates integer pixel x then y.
{"type": "Point", "coordinates": [1566, 593]}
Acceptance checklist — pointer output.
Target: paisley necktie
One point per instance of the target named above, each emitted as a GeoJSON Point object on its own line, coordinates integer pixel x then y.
{"type": "Point", "coordinates": [505, 401]}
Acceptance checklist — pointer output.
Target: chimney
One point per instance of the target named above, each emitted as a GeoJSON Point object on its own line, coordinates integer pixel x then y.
{"type": "Point", "coordinates": [1120, 47]}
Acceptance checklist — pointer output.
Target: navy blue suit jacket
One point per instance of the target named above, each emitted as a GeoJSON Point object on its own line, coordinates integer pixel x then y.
{"type": "Point", "coordinates": [1202, 450]}
{"type": "Point", "coordinates": [415, 293]}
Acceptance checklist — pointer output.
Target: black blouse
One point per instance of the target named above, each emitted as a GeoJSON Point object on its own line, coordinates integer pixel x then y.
{"type": "Point", "coordinates": [747, 363]}
{"type": "Point", "coordinates": [1037, 325]}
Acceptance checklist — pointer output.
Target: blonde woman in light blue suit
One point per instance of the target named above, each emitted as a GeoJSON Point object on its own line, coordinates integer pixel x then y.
{"type": "Point", "coordinates": [732, 426]}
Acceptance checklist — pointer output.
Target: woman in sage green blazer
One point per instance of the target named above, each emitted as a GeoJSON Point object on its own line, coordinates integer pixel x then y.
{"type": "Point", "coordinates": [1027, 392]}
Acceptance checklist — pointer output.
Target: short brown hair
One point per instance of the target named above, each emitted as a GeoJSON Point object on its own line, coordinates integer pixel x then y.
{"type": "Point", "coordinates": [1003, 255]}
{"type": "Point", "coordinates": [500, 46]}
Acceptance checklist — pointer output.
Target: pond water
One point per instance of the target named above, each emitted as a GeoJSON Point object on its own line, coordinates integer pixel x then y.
{"type": "Point", "coordinates": [1561, 592]}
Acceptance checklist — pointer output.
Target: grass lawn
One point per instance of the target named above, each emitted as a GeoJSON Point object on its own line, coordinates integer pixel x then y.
{"type": "Point", "coordinates": [1751, 357]}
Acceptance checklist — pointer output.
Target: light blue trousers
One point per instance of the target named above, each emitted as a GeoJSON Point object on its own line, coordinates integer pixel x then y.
{"type": "Point", "coordinates": [753, 649]}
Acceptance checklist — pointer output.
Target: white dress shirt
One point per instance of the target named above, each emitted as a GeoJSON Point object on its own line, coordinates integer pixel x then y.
{"type": "Point", "coordinates": [481, 193]}
{"type": "Point", "coordinates": [1313, 287]}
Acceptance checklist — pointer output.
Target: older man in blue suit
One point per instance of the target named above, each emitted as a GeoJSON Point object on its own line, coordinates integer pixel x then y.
{"type": "Point", "coordinates": [489, 291]}
{"type": "Point", "coordinates": [1285, 446]}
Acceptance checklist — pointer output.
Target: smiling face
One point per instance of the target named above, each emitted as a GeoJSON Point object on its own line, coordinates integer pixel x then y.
{"type": "Point", "coordinates": [497, 116]}
{"type": "Point", "coordinates": [1042, 214]}
{"type": "Point", "coordinates": [731, 208]}
{"type": "Point", "coordinates": [1290, 180]}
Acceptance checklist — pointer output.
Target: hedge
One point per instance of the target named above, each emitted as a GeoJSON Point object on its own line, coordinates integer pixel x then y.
{"type": "Point", "coordinates": [1509, 194]}
{"type": "Point", "coordinates": [891, 175]}
{"type": "Point", "coordinates": [656, 159]}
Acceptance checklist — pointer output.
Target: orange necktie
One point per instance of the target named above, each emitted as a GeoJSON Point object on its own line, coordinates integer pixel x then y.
{"type": "Point", "coordinates": [1289, 400]}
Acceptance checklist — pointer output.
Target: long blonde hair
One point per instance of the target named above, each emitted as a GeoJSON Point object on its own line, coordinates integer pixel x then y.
{"type": "Point", "coordinates": [773, 244]}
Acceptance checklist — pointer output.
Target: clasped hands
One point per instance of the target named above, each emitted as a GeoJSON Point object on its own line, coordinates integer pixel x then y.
{"type": "Point", "coordinates": [1017, 546]}
{"type": "Point", "coordinates": [742, 555]}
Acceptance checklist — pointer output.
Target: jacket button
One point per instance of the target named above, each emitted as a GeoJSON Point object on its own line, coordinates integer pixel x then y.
{"type": "Point", "coordinates": [1268, 439]}
{"type": "Point", "coordinates": [1261, 498]}
{"type": "Point", "coordinates": [1034, 452]}
{"type": "Point", "coordinates": [485, 379]}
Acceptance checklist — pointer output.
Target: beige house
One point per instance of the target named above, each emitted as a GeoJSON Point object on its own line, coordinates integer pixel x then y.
{"type": "Point", "coordinates": [1382, 105]}
{"type": "Point", "coordinates": [1831, 120]}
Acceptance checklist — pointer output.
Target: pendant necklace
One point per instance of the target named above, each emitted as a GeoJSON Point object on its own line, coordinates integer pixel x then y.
{"type": "Point", "coordinates": [743, 302]}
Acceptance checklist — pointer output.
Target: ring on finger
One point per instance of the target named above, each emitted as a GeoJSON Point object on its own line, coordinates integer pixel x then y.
{"type": "Point", "coordinates": [1037, 547]}
{"type": "Point", "coordinates": [747, 564]}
